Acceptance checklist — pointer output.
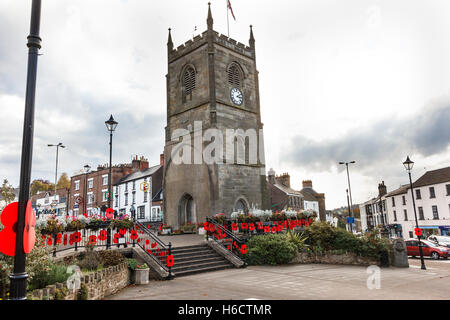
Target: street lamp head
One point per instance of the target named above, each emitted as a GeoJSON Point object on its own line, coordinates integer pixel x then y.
{"type": "Point", "coordinates": [341, 163]}
{"type": "Point", "coordinates": [408, 164]}
{"type": "Point", "coordinates": [87, 168]}
{"type": "Point", "coordinates": [111, 124]}
{"type": "Point", "coordinates": [353, 162]}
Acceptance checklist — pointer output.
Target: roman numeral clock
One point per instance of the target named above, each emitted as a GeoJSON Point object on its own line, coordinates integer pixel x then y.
{"type": "Point", "coordinates": [236, 96]}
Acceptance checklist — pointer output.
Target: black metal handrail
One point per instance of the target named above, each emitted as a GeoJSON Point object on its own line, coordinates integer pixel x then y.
{"type": "Point", "coordinates": [229, 234]}
{"type": "Point", "coordinates": [166, 247]}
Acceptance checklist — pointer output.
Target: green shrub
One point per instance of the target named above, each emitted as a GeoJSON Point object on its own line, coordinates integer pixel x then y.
{"type": "Point", "coordinates": [110, 258]}
{"type": "Point", "coordinates": [60, 294]}
{"type": "Point", "coordinates": [90, 262]}
{"type": "Point", "coordinates": [298, 239]}
{"type": "Point", "coordinates": [132, 263]}
{"type": "Point", "coordinates": [272, 249]}
{"type": "Point", "coordinates": [57, 273]}
{"type": "Point", "coordinates": [83, 293]}
{"type": "Point", "coordinates": [323, 237]}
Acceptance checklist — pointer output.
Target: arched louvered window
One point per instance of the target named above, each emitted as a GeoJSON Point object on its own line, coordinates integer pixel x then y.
{"type": "Point", "coordinates": [234, 75]}
{"type": "Point", "coordinates": [189, 82]}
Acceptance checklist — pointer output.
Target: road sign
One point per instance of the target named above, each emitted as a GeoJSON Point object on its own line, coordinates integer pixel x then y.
{"type": "Point", "coordinates": [350, 220]}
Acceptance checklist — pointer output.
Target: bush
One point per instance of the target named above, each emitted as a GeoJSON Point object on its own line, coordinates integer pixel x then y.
{"type": "Point", "coordinates": [110, 258]}
{"type": "Point", "coordinates": [57, 273]}
{"type": "Point", "coordinates": [132, 263]}
{"type": "Point", "coordinates": [189, 227]}
{"type": "Point", "coordinates": [323, 237]}
{"type": "Point", "coordinates": [272, 249]}
{"type": "Point", "coordinates": [90, 262]}
{"type": "Point", "coordinates": [83, 293]}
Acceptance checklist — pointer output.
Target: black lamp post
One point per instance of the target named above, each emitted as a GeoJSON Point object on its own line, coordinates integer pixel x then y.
{"type": "Point", "coordinates": [111, 125]}
{"type": "Point", "coordinates": [18, 283]}
{"type": "Point", "coordinates": [408, 166]}
{"type": "Point", "coordinates": [349, 188]}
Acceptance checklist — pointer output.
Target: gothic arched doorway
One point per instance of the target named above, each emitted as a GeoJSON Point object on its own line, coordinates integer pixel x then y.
{"type": "Point", "coordinates": [241, 205]}
{"type": "Point", "coordinates": [187, 210]}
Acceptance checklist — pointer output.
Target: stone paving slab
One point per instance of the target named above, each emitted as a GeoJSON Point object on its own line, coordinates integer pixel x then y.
{"type": "Point", "coordinates": [296, 282]}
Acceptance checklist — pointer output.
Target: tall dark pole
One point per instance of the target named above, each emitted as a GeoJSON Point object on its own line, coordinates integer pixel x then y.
{"type": "Point", "coordinates": [56, 170]}
{"type": "Point", "coordinates": [417, 223]}
{"type": "Point", "coordinates": [19, 277]}
{"type": "Point", "coordinates": [348, 203]}
{"type": "Point", "coordinates": [110, 170]}
{"type": "Point", "coordinates": [349, 187]}
{"type": "Point", "coordinates": [409, 165]}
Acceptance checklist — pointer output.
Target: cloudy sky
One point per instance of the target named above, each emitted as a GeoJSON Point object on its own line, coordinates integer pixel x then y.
{"type": "Point", "coordinates": [340, 80]}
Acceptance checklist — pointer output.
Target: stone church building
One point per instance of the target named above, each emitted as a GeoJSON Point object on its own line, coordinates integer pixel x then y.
{"type": "Point", "coordinates": [212, 79]}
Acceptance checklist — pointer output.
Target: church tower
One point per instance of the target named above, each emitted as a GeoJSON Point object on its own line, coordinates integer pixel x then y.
{"type": "Point", "coordinates": [212, 86]}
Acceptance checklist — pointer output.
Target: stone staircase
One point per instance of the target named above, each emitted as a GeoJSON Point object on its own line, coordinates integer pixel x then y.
{"type": "Point", "coordinates": [196, 259]}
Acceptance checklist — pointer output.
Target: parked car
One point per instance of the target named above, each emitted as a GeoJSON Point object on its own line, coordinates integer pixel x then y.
{"type": "Point", "coordinates": [429, 249]}
{"type": "Point", "coordinates": [443, 241]}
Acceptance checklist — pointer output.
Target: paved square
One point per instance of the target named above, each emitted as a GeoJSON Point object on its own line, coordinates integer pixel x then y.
{"type": "Point", "coordinates": [300, 282]}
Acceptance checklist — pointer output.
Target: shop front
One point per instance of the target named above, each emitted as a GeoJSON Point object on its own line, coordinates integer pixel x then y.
{"type": "Point", "coordinates": [445, 230]}
{"type": "Point", "coordinates": [429, 231]}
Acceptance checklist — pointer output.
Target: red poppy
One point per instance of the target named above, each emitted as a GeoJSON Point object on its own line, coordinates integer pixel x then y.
{"type": "Point", "coordinates": [251, 226]}
{"type": "Point", "coordinates": [115, 240]}
{"type": "Point", "coordinates": [266, 229]}
{"type": "Point", "coordinates": [149, 226]}
{"type": "Point", "coordinates": [280, 228]}
{"type": "Point", "coordinates": [244, 249]}
{"type": "Point", "coordinates": [154, 244]}
{"type": "Point", "coordinates": [133, 235]}
{"type": "Point", "coordinates": [43, 237]}
{"type": "Point", "coordinates": [116, 235]}
{"type": "Point", "coordinates": [49, 241]}
{"type": "Point", "coordinates": [59, 236]}
{"type": "Point", "coordinates": [71, 242]}
{"type": "Point", "coordinates": [103, 235]}
{"type": "Point", "coordinates": [123, 231]}
{"type": "Point", "coordinates": [170, 261]}
{"type": "Point", "coordinates": [274, 229]}
{"type": "Point", "coordinates": [229, 247]}
{"type": "Point", "coordinates": [93, 239]}
{"type": "Point", "coordinates": [234, 226]}
{"type": "Point", "coordinates": [109, 213]}
{"type": "Point", "coordinates": [138, 240]}
{"type": "Point", "coordinates": [76, 236]}
{"type": "Point", "coordinates": [260, 225]}
{"type": "Point", "coordinates": [244, 226]}
{"type": "Point", "coordinates": [147, 242]}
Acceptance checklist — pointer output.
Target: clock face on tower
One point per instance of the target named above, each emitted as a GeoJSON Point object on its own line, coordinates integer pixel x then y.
{"type": "Point", "coordinates": [236, 96]}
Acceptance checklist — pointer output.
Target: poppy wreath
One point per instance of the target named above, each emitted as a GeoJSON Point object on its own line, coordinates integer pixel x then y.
{"type": "Point", "coordinates": [133, 235]}
{"type": "Point", "coordinates": [170, 261]}
{"type": "Point", "coordinates": [93, 240]}
{"type": "Point", "coordinates": [116, 237]}
{"type": "Point", "coordinates": [102, 236]}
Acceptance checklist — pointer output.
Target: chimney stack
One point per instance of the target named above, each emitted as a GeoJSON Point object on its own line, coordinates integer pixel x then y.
{"type": "Point", "coordinates": [307, 184]}
{"type": "Point", "coordinates": [285, 179]}
{"type": "Point", "coordinates": [271, 176]}
{"type": "Point", "coordinates": [161, 159]}
{"type": "Point", "coordinates": [382, 190]}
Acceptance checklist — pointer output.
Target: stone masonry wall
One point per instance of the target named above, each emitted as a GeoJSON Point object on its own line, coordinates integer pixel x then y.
{"type": "Point", "coordinates": [99, 284]}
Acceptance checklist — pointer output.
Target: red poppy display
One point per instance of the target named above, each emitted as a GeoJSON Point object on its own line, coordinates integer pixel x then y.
{"type": "Point", "coordinates": [244, 249]}
{"type": "Point", "coordinates": [8, 234]}
{"type": "Point", "coordinates": [29, 233]}
{"type": "Point", "coordinates": [154, 245]}
{"type": "Point", "coordinates": [103, 235]}
{"type": "Point", "coordinates": [109, 213]}
{"type": "Point", "coordinates": [234, 226]}
{"type": "Point", "coordinates": [93, 239]}
{"type": "Point", "coordinates": [170, 261]}
{"type": "Point", "coordinates": [133, 235]}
